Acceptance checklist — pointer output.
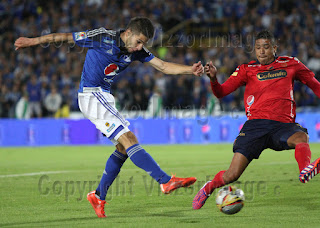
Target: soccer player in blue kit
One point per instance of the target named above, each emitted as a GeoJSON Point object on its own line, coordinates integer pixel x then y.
{"type": "Point", "coordinates": [109, 53]}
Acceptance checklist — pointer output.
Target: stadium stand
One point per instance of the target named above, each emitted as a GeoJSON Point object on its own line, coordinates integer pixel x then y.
{"type": "Point", "coordinates": [186, 31]}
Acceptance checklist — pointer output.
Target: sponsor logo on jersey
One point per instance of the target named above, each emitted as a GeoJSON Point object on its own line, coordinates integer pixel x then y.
{"type": "Point", "coordinates": [250, 100]}
{"type": "Point", "coordinates": [271, 75]}
{"type": "Point", "coordinates": [107, 41]}
{"type": "Point", "coordinates": [110, 128]}
{"type": "Point", "coordinates": [111, 69]}
{"type": "Point", "coordinates": [80, 35]}
{"type": "Point", "coordinates": [107, 124]}
{"type": "Point", "coordinates": [234, 73]}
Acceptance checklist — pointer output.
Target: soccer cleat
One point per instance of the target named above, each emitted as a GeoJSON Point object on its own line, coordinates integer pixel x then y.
{"type": "Point", "coordinates": [176, 182]}
{"type": "Point", "coordinates": [310, 171]}
{"type": "Point", "coordinates": [97, 204]}
{"type": "Point", "coordinates": [200, 199]}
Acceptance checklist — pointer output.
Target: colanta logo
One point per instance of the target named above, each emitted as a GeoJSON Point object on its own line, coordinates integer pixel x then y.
{"type": "Point", "coordinates": [271, 75]}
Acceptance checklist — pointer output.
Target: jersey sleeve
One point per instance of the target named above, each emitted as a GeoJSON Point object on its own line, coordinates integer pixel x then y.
{"type": "Point", "coordinates": [144, 55]}
{"type": "Point", "coordinates": [238, 78]}
{"type": "Point", "coordinates": [303, 73]}
{"type": "Point", "coordinates": [90, 38]}
{"type": "Point", "coordinates": [306, 76]}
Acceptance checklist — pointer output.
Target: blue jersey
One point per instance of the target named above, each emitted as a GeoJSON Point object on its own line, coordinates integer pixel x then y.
{"type": "Point", "coordinates": [106, 57]}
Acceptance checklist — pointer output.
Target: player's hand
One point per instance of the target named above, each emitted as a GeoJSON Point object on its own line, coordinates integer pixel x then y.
{"type": "Point", "coordinates": [211, 71]}
{"type": "Point", "coordinates": [197, 69]}
{"type": "Point", "coordinates": [23, 42]}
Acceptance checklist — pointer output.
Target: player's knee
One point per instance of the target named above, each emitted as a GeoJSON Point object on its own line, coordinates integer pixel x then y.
{"type": "Point", "coordinates": [304, 138]}
{"type": "Point", "coordinates": [121, 149]}
{"type": "Point", "coordinates": [128, 139]}
{"type": "Point", "coordinates": [299, 137]}
{"type": "Point", "coordinates": [132, 138]}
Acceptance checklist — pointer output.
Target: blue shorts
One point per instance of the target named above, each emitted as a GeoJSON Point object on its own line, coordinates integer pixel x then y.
{"type": "Point", "coordinates": [260, 134]}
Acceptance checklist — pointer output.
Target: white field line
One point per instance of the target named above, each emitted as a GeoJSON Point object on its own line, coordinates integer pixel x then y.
{"type": "Point", "coordinates": [134, 169]}
{"type": "Point", "coordinates": [33, 174]}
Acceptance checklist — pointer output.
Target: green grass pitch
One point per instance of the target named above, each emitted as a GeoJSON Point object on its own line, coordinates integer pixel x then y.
{"type": "Point", "coordinates": [47, 186]}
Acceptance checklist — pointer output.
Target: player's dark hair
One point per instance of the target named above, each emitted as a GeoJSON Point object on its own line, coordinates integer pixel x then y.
{"type": "Point", "coordinates": [265, 34]}
{"type": "Point", "coordinates": [141, 25]}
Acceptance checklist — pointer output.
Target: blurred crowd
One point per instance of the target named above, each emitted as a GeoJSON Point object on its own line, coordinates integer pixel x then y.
{"type": "Point", "coordinates": [43, 81]}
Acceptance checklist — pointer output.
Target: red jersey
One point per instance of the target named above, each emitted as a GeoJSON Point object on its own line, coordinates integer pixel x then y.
{"type": "Point", "coordinates": [269, 88]}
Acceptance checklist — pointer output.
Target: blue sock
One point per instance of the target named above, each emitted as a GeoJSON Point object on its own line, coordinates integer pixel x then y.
{"type": "Point", "coordinates": [110, 173]}
{"type": "Point", "coordinates": [144, 161]}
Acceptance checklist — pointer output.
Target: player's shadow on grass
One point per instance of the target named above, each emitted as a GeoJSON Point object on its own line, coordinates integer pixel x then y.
{"type": "Point", "coordinates": [174, 214]}
{"type": "Point", "coordinates": [47, 222]}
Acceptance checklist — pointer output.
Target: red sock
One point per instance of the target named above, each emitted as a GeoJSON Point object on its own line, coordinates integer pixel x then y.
{"type": "Point", "coordinates": [302, 155]}
{"type": "Point", "coordinates": [217, 182]}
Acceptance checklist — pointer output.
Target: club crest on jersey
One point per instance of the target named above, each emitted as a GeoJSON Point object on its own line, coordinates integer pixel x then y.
{"type": "Point", "coordinates": [127, 58]}
{"type": "Point", "coordinates": [271, 75]}
{"type": "Point", "coordinates": [80, 35]}
{"type": "Point", "coordinates": [250, 100]}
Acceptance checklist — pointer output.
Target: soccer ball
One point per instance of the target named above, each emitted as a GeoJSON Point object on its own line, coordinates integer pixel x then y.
{"type": "Point", "coordinates": [230, 200]}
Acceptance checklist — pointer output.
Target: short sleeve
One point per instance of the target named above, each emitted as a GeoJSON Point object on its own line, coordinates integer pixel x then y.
{"type": "Point", "coordinates": [303, 73]}
{"type": "Point", "coordinates": [144, 55]}
{"type": "Point", "coordinates": [90, 38]}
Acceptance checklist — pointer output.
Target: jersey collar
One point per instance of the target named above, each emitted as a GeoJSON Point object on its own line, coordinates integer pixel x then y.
{"type": "Point", "coordinates": [120, 43]}
{"type": "Point", "coordinates": [275, 57]}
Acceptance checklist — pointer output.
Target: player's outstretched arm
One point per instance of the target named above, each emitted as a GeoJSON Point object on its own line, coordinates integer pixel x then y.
{"type": "Point", "coordinates": [23, 42]}
{"type": "Point", "coordinates": [314, 84]}
{"type": "Point", "coordinates": [221, 90]}
{"type": "Point", "coordinates": [174, 68]}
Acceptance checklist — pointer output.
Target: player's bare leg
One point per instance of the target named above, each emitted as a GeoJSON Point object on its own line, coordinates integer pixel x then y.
{"type": "Point", "coordinates": [308, 170]}
{"type": "Point", "coordinates": [121, 149]}
{"type": "Point", "coordinates": [144, 161]}
{"type": "Point", "coordinates": [238, 164]}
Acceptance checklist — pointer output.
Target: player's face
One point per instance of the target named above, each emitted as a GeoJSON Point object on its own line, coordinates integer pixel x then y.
{"type": "Point", "coordinates": [135, 42]}
{"type": "Point", "coordinates": [265, 51]}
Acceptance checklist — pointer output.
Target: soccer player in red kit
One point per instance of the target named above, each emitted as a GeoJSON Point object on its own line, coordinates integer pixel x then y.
{"type": "Point", "coordinates": [270, 110]}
